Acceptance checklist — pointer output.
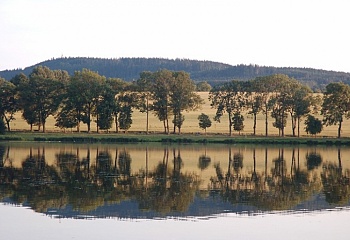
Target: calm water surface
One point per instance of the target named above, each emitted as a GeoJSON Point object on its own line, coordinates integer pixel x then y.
{"type": "Point", "coordinates": [71, 191]}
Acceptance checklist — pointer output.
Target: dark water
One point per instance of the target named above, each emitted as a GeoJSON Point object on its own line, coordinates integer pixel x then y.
{"type": "Point", "coordinates": [149, 185]}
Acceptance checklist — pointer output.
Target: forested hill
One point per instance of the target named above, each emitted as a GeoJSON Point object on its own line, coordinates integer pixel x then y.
{"type": "Point", "coordinates": [212, 72]}
{"type": "Point", "coordinates": [125, 68]}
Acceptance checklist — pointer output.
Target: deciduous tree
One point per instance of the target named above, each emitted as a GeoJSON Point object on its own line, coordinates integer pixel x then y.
{"type": "Point", "coordinates": [42, 94]}
{"type": "Point", "coordinates": [145, 87]}
{"type": "Point", "coordinates": [238, 122]}
{"type": "Point", "coordinates": [300, 105]}
{"type": "Point", "coordinates": [227, 98]}
{"type": "Point", "coordinates": [182, 97]}
{"type": "Point", "coordinates": [117, 86]}
{"type": "Point", "coordinates": [204, 122]}
{"type": "Point", "coordinates": [282, 100]}
{"type": "Point", "coordinates": [9, 104]}
{"type": "Point", "coordinates": [203, 87]}
{"type": "Point", "coordinates": [262, 89]}
{"type": "Point", "coordinates": [336, 104]}
{"type": "Point", "coordinates": [173, 93]}
{"type": "Point", "coordinates": [83, 93]}
{"type": "Point", "coordinates": [255, 101]}
{"type": "Point", "coordinates": [161, 97]}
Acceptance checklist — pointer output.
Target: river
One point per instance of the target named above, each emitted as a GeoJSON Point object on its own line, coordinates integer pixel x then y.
{"type": "Point", "coordinates": [188, 191]}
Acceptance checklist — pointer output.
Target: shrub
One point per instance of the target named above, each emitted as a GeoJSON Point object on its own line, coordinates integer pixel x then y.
{"type": "Point", "coordinates": [313, 125]}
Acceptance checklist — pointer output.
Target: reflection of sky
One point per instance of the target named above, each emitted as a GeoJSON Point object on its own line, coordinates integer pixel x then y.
{"type": "Point", "coordinates": [22, 223]}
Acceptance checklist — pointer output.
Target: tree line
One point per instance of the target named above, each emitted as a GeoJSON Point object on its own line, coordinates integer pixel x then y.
{"type": "Point", "coordinates": [282, 98]}
{"type": "Point", "coordinates": [213, 72]}
{"type": "Point", "coordinates": [86, 96]}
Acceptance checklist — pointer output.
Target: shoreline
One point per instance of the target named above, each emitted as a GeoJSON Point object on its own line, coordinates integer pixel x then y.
{"type": "Point", "coordinates": [172, 138]}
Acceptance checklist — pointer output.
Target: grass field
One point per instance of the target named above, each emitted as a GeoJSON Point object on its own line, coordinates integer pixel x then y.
{"type": "Point", "coordinates": [190, 125]}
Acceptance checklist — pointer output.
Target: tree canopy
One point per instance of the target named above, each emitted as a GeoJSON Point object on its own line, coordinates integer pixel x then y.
{"type": "Point", "coordinates": [87, 97]}
{"type": "Point", "coordinates": [213, 73]}
{"type": "Point", "coordinates": [336, 104]}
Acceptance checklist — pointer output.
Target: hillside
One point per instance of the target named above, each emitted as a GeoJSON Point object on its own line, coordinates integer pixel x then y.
{"type": "Point", "coordinates": [212, 72]}
{"type": "Point", "coordinates": [125, 68]}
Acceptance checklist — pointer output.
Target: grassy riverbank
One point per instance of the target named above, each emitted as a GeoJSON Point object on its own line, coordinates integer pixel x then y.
{"type": "Point", "coordinates": [163, 138]}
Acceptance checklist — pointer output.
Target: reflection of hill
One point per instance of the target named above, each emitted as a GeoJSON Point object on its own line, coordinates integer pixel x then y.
{"type": "Point", "coordinates": [200, 207]}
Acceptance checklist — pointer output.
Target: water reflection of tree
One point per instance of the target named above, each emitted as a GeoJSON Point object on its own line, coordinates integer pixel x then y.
{"type": "Point", "coordinates": [74, 180]}
{"type": "Point", "coordinates": [275, 191]}
{"type": "Point", "coordinates": [170, 190]}
{"type": "Point", "coordinates": [87, 181]}
{"type": "Point", "coordinates": [124, 163]}
{"type": "Point", "coordinates": [313, 160]}
{"type": "Point", "coordinates": [8, 174]}
{"type": "Point", "coordinates": [287, 189]}
{"type": "Point", "coordinates": [204, 161]}
{"type": "Point", "coordinates": [38, 183]}
{"type": "Point", "coordinates": [336, 182]}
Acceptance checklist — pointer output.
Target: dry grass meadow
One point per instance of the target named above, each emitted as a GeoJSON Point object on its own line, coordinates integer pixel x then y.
{"type": "Point", "coordinates": [191, 124]}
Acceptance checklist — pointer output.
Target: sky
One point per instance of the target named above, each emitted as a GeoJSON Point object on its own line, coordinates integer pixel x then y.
{"type": "Point", "coordinates": [280, 33]}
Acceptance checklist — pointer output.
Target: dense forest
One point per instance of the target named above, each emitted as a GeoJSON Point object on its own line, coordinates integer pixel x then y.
{"type": "Point", "coordinates": [213, 72]}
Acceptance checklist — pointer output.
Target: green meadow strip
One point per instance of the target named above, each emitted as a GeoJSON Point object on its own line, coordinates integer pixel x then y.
{"type": "Point", "coordinates": [162, 138]}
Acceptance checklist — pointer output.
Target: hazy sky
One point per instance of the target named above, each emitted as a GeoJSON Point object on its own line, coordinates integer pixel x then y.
{"type": "Point", "coordinates": [297, 33]}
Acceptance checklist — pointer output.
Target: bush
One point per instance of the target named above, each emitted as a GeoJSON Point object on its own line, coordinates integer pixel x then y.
{"type": "Point", "coordinates": [313, 125]}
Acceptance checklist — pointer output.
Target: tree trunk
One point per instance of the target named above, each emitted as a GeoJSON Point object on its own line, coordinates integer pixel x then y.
{"type": "Point", "coordinates": [339, 128]}
{"type": "Point", "coordinates": [116, 123]}
{"type": "Point", "coordinates": [39, 125]}
{"type": "Point", "coordinates": [266, 164]}
{"type": "Point", "coordinates": [174, 131]}
{"type": "Point", "coordinates": [254, 126]}
{"type": "Point", "coordinates": [8, 126]}
{"type": "Point", "coordinates": [147, 114]}
{"type": "Point", "coordinates": [97, 127]}
{"type": "Point", "coordinates": [78, 126]}
{"type": "Point", "coordinates": [266, 124]}
{"type": "Point", "coordinates": [7, 123]}
{"type": "Point", "coordinates": [293, 124]}
{"type": "Point", "coordinates": [298, 126]}
{"type": "Point", "coordinates": [167, 126]}
{"type": "Point", "coordinates": [89, 118]}
{"type": "Point", "coordinates": [282, 130]}
{"type": "Point", "coordinates": [230, 124]}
